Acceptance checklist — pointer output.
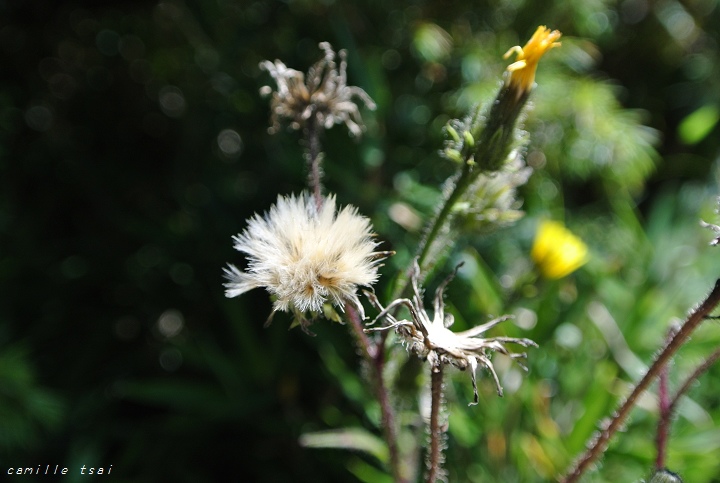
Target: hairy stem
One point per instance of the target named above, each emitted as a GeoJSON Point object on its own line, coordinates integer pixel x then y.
{"type": "Point", "coordinates": [664, 423]}
{"type": "Point", "coordinates": [314, 158]}
{"type": "Point", "coordinates": [598, 444]}
{"type": "Point", "coordinates": [699, 371]}
{"type": "Point", "coordinates": [443, 215]}
{"type": "Point", "coordinates": [441, 219]}
{"type": "Point", "coordinates": [436, 428]}
{"type": "Point", "coordinates": [374, 355]}
{"type": "Point", "coordinates": [665, 412]}
{"type": "Point", "coordinates": [668, 406]}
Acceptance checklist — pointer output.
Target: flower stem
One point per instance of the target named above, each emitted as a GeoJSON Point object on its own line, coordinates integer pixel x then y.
{"type": "Point", "coordinates": [598, 444]}
{"type": "Point", "coordinates": [374, 355]}
{"type": "Point", "coordinates": [436, 428]}
{"type": "Point", "coordinates": [495, 139]}
{"type": "Point", "coordinates": [443, 216]}
{"type": "Point", "coordinates": [314, 158]}
{"type": "Point", "coordinates": [441, 219]}
{"type": "Point", "coordinates": [366, 345]}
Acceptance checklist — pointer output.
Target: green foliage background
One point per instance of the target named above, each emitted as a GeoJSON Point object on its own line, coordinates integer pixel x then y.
{"type": "Point", "coordinates": [133, 145]}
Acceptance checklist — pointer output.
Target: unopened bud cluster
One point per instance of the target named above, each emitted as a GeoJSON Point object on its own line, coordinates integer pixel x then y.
{"type": "Point", "coordinates": [460, 145]}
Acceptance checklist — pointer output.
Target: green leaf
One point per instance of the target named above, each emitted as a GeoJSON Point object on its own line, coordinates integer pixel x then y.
{"type": "Point", "coordinates": [356, 439]}
{"type": "Point", "coordinates": [697, 125]}
{"type": "Point", "coordinates": [463, 428]}
{"type": "Point", "coordinates": [597, 400]}
{"type": "Point", "coordinates": [351, 383]}
{"type": "Point", "coordinates": [487, 293]}
{"type": "Point", "coordinates": [367, 473]}
{"type": "Point", "coordinates": [431, 42]}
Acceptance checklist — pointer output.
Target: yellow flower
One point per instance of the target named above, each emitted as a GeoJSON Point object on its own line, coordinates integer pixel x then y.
{"type": "Point", "coordinates": [557, 252]}
{"type": "Point", "coordinates": [522, 71]}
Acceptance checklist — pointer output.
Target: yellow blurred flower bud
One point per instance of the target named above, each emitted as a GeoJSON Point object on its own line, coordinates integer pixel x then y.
{"type": "Point", "coordinates": [557, 252]}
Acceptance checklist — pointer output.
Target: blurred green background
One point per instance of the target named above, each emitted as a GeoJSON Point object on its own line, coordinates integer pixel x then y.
{"type": "Point", "coordinates": [134, 144]}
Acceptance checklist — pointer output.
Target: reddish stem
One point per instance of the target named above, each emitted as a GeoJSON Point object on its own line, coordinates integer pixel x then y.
{"type": "Point", "coordinates": [700, 370]}
{"type": "Point", "coordinates": [598, 444]}
{"type": "Point", "coordinates": [664, 422]}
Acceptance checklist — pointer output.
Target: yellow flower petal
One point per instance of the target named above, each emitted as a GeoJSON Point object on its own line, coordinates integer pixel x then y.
{"type": "Point", "coordinates": [522, 71]}
{"type": "Point", "coordinates": [557, 252]}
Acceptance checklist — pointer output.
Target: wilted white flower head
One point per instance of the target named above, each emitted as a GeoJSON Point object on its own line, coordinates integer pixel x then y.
{"type": "Point", "coordinates": [432, 339]}
{"type": "Point", "coordinates": [306, 256]}
{"type": "Point", "coordinates": [324, 95]}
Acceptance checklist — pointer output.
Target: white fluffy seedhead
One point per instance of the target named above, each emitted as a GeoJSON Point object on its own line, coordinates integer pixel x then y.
{"type": "Point", "coordinates": [306, 256]}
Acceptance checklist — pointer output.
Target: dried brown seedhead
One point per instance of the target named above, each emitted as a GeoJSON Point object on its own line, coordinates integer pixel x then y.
{"type": "Point", "coordinates": [322, 95]}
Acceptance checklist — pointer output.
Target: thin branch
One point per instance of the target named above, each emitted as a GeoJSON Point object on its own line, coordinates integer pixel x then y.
{"type": "Point", "coordinates": [699, 371]}
{"type": "Point", "coordinates": [597, 445]}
